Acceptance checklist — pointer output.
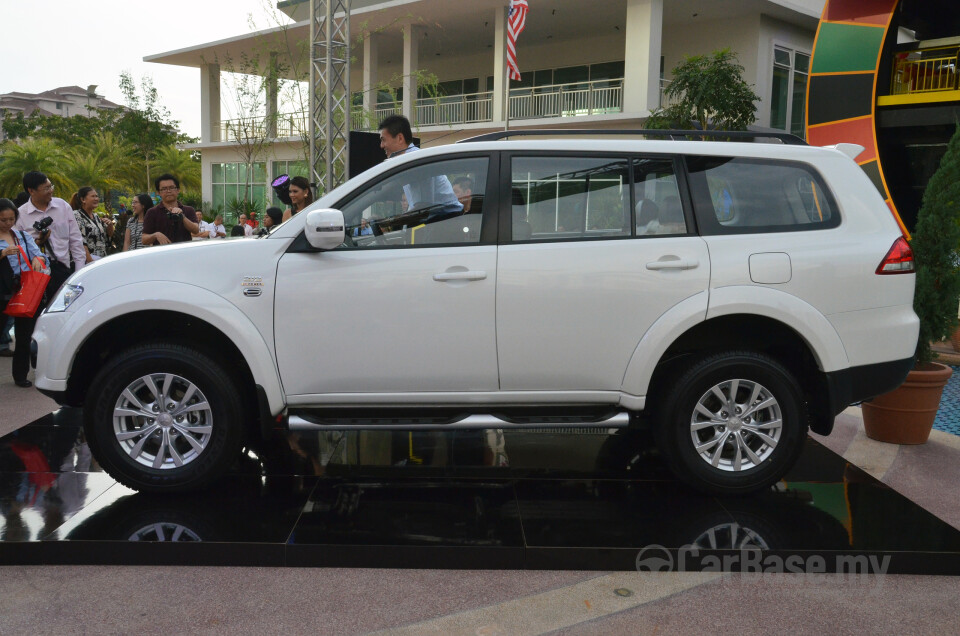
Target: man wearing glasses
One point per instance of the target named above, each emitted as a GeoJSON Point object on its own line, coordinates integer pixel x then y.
{"type": "Point", "coordinates": [61, 239]}
{"type": "Point", "coordinates": [171, 221]}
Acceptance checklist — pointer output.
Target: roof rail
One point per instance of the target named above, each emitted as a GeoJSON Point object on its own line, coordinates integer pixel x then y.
{"type": "Point", "coordinates": [676, 135]}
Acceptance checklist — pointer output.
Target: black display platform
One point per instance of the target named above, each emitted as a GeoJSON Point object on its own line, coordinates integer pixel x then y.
{"type": "Point", "coordinates": [491, 500]}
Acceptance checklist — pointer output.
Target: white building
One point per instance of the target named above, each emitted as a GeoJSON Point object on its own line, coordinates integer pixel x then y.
{"type": "Point", "coordinates": [584, 64]}
{"type": "Point", "coordinates": [65, 101]}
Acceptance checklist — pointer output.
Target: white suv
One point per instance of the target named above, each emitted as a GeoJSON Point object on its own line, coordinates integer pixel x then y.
{"type": "Point", "coordinates": [729, 295]}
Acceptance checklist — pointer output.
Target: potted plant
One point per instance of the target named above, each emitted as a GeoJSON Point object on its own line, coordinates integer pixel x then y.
{"type": "Point", "coordinates": [955, 336]}
{"type": "Point", "coordinates": [906, 415]}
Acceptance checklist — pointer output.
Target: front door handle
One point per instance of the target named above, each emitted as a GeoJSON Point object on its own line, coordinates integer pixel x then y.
{"type": "Point", "coordinates": [673, 262]}
{"type": "Point", "coordinates": [467, 275]}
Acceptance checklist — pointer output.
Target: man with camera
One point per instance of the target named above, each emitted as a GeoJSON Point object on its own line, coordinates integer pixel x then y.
{"type": "Point", "coordinates": [171, 221]}
{"type": "Point", "coordinates": [51, 222]}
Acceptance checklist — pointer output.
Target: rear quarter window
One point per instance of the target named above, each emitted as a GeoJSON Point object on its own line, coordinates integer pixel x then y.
{"type": "Point", "coordinates": [734, 195]}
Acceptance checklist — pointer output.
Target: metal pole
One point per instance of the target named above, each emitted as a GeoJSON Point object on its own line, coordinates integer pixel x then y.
{"type": "Point", "coordinates": [506, 67]}
{"type": "Point", "coordinates": [316, 6]}
{"type": "Point", "coordinates": [330, 109]}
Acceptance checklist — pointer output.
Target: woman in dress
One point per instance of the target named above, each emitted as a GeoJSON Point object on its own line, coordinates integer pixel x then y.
{"type": "Point", "coordinates": [96, 232]}
{"type": "Point", "coordinates": [10, 243]}
{"type": "Point", "coordinates": [131, 240]}
{"type": "Point", "coordinates": [300, 196]}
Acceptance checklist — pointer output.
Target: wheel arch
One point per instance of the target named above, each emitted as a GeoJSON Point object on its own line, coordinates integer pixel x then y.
{"type": "Point", "coordinates": [173, 325]}
{"type": "Point", "coordinates": [743, 317]}
{"type": "Point", "coordinates": [751, 332]}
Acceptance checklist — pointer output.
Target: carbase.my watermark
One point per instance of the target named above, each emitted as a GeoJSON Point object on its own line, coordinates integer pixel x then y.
{"type": "Point", "coordinates": [752, 560]}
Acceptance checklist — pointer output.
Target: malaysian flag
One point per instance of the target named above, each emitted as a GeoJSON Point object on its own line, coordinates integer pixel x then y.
{"type": "Point", "coordinates": [516, 20]}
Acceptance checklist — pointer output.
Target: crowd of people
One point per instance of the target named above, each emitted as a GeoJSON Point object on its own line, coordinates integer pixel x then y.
{"type": "Point", "coordinates": [44, 233]}
{"type": "Point", "coordinates": [60, 237]}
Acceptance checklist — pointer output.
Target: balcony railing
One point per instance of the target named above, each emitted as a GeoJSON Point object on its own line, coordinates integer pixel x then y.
{"type": "Point", "coordinates": [925, 71]}
{"type": "Point", "coordinates": [600, 97]}
{"type": "Point", "coordinates": [287, 125]}
{"type": "Point", "coordinates": [558, 100]}
{"type": "Point", "coordinates": [455, 109]}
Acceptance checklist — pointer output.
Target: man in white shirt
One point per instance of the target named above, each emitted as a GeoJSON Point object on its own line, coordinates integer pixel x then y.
{"type": "Point", "coordinates": [62, 241]}
{"type": "Point", "coordinates": [434, 193]}
{"type": "Point", "coordinates": [203, 229]}
{"type": "Point", "coordinates": [217, 230]}
{"type": "Point", "coordinates": [247, 228]}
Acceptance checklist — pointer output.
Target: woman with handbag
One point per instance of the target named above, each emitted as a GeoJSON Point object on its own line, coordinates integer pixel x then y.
{"type": "Point", "coordinates": [23, 255]}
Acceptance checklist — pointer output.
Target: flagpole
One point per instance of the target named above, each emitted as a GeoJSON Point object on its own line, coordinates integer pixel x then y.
{"type": "Point", "coordinates": [506, 68]}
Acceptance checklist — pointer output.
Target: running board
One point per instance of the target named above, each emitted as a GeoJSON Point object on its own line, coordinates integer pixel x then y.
{"type": "Point", "coordinates": [297, 423]}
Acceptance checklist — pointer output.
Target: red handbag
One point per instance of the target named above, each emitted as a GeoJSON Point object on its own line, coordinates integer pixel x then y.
{"type": "Point", "coordinates": [25, 302]}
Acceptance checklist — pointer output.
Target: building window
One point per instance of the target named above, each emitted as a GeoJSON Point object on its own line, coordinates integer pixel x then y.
{"type": "Point", "coordinates": [789, 90]}
{"type": "Point", "coordinates": [292, 168]}
{"type": "Point", "coordinates": [237, 182]}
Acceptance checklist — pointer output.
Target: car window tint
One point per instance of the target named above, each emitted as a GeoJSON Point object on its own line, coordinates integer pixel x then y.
{"type": "Point", "coordinates": [557, 198]}
{"type": "Point", "coordinates": [658, 208]}
{"type": "Point", "coordinates": [429, 204]}
{"type": "Point", "coordinates": [734, 195]}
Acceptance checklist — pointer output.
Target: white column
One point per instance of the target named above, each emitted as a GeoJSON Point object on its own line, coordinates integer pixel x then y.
{"type": "Point", "coordinates": [499, 62]}
{"type": "Point", "coordinates": [209, 103]}
{"type": "Point", "coordinates": [641, 81]}
{"type": "Point", "coordinates": [371, 61]}
{"type": "Point", "coordinates": [272, 97]}
{"type": "Point", "coordinates": [411, 61]}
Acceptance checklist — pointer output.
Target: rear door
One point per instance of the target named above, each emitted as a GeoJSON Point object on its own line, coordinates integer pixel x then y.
{"type": "Point", "coordinates": [594, 249]}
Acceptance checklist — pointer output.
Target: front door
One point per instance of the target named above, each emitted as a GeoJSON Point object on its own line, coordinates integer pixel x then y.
{"type": "Point", "coordinates": [407, 303]}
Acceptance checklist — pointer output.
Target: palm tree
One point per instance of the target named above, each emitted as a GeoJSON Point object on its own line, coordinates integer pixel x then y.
{"type": "Point", "coordinates": [179, 163]}
{"type": "Point", "coordinates": [45, 155]}
{"type": "Point", "coordinates": [103, 162]}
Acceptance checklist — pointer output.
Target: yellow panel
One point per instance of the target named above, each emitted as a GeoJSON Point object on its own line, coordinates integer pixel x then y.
{"type": "Point", "coordinates": [919, 98]}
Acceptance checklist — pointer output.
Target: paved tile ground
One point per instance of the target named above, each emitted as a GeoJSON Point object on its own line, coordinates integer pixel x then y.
{"type": "Point", "coordinates": [948, 417]}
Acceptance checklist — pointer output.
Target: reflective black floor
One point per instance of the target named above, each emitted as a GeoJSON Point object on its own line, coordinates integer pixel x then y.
{"type": "Point", "coordinates": [533, 499]}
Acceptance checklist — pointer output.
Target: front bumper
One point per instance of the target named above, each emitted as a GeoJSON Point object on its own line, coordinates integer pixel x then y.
{"type": "Point", "coordinates": [51, 374]}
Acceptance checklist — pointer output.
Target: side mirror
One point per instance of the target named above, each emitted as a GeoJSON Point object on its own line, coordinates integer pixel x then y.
{"type": "Point", "coordinates": [325, 229]}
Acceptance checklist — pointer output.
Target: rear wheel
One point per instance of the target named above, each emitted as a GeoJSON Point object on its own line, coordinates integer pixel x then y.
{"type": "Point", "coordinates": [733, 423]}
{"type": "Point", "coordinates": [164, 417]}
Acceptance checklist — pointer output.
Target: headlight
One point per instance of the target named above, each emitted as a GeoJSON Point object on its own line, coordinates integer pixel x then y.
{"type": "Point", "coordinates": [65, 297]}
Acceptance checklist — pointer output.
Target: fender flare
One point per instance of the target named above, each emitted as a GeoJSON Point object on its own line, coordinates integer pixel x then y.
{"type": "Point", "coordinates": [185, 299]}
{"type": "Point", "coordinates": [811, 325]}
{"type": "Point", "coordinates": [658, 338]}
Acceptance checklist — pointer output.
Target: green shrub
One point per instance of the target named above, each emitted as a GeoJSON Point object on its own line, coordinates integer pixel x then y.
{"type": "Point", "coordinates": [935, 244]}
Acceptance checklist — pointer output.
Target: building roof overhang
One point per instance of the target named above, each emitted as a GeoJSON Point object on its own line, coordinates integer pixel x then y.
{"type": "Point", "coordinates": [461, 28]}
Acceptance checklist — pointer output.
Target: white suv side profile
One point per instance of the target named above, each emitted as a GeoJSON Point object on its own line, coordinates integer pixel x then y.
{"type": "Point", "coordinates": [729, 295]}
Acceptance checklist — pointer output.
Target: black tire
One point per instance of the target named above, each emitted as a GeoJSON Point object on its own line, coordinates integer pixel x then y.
{"type": "Point", "coordinates": [734, 473]}
{"type": "Point", "coordinates": [220, 421]}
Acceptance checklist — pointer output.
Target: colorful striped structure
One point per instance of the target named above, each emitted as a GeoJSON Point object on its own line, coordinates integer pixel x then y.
{"type": "Point", "coordinates": [841, 99]}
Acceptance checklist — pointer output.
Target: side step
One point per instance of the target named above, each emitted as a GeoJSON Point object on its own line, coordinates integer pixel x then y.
{"type": "Point", "coordinates": [297, 423]}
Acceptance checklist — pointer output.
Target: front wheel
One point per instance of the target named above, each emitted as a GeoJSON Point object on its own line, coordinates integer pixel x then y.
{"type": "Point", "coordinates": [734, 423]}
{"type": "Point", "coordinates": [163, 417]}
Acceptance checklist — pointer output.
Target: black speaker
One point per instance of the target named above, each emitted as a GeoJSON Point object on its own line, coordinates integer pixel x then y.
{"type": "Point", "coordinates": [365, 151]}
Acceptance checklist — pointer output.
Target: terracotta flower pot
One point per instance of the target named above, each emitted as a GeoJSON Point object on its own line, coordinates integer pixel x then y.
{"type": "Point", "coordinates": [955, 339]}
{"type": "Point", "coordinates": [906, 414]}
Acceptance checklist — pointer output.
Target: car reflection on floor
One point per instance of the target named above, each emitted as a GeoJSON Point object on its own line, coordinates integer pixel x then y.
{"type": "Point", "coordinates": [495, 498]}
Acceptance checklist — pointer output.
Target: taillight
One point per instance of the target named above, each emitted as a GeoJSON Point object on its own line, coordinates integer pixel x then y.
{"type": "Point", "coordinates": [899, 260]}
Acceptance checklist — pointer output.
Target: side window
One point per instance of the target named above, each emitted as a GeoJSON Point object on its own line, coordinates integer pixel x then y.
{"type": "Point", "coordinates": [737, 195]}
{"type": "Point", "coordinates": [433, 204]}
{"type": "Point", "coordinates": [569, 197]}
{"type": "Point", "coordinates": [658, 208]}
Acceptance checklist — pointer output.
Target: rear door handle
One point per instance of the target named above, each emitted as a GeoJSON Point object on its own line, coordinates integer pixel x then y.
{"type": "Point", "coordinates": [467, 275]}
{"type": "Point", "coordinates": [673, 262]}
